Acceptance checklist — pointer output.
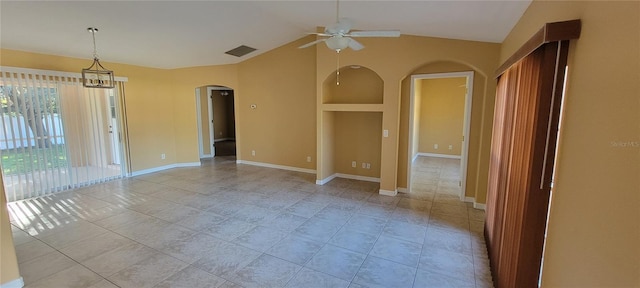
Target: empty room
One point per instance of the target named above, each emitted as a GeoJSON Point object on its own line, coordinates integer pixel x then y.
{"type": "Point", "coordinates": [320, 143]}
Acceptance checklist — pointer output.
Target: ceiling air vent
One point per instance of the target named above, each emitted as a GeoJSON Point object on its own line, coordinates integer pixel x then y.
{"type": "Point", "coordinates": [240, 51]}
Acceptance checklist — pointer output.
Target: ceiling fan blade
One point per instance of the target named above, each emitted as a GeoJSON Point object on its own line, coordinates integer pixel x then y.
{"type": "Point", "coordinates": [355, 45]}
{"type": "Point", "coordinates": [344, 25]}
{"type": "Point", "coordinates": [319, 34]}
{"type": "Point", "coordinates": [381, 33]}
{"type": "Point", "coordinates": [312, 43]}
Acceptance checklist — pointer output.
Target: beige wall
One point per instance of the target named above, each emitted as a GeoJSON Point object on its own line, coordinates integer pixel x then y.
{"type": "Point", "coordinates": [415, 133]}
{"type": "Point", "coordinates": [160, 103]}
{"type": "Point", "coordinates": [281, 130]}
{"type": "Point", "coordinates": [356, 135]}
{"type": "Point", "coordinates": [326, 167]}
{"type": "Point", "coordinates": [357, 86]}
{"type": "Point", "coordinates": [184, 82]}
{"type": "Point", "coordinates": [442, 115]}
{"type": "Point", "coordinates": [593, 227]}
{"type": "Point", "coordinates": [204, 121]}
{"type": "Point", "coordinates": [285, 127]}
{"type": "Point", "coordinates": [416, 52]}
{"type": "Point", "coordinates": [357, 138]}
{"type": "Point", "coordinates": [149, 103]}
{"type": "Point", "coordinates": [8, 260]}
{"type": "Point", "coordinates": [479, 133]}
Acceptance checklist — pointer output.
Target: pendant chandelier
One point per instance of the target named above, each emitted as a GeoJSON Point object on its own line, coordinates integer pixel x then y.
{"type": "Point", "coordinates": [96, 76]}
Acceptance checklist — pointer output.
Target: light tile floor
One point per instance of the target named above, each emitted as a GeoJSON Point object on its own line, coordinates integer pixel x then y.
{"type": "Point", "coordinates": [229, 225]}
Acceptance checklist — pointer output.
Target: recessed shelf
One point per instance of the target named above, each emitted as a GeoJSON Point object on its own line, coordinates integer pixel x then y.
{"type": "Point", "coordinates": [353, 107]}
{"type": "Point", "coordinates": [359, 85]}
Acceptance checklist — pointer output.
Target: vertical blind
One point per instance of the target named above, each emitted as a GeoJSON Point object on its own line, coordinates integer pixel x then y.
{"type": "Point", "coordinates": [524, 137]}
{"type": "Point", "coordinates": [55, 134]}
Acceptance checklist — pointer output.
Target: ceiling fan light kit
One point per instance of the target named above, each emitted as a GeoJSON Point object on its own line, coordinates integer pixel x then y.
{"type": "Point", "coordinates": [338, 43]}
{"type": "Point", "coordinates": [339, 37]}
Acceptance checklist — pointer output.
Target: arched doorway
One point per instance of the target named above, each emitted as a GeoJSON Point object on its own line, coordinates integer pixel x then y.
{"type": "Point", "coordinates": [216, 121]}
{"type": "Point", "coordinates": [467, 185]}
{"type": "Point", "coordinates": [439, 123]}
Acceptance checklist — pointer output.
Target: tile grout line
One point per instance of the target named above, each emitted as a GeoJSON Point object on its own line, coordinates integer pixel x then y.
{"type": "Point", "coordinates": [361, 203]}
{"type": "Point", "coordinates": [67, 256]}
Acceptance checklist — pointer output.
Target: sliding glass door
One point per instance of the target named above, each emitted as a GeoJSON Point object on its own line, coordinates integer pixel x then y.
{"type": "Point", "coordinates": [55, 134]}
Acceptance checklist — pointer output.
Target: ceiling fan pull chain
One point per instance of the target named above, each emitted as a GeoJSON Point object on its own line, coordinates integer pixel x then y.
{"type": "Point", "coordinates": [338, 68]}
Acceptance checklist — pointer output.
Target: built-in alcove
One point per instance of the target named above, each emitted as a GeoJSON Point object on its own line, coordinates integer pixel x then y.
{"type": "Point", "coordinates": [358, 138]}
{"type": "Point", "coordinates": [350, 138]}
{"type": "Point", "coordinates": [358, 85]}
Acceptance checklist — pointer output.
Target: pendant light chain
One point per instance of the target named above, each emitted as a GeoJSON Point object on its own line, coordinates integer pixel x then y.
{"type": "Point", "coordinates": [338, 68]}
{"type": "Point", "coordinates": [338, 50]}
{"type": "Point", "coordinates": [95, 50]}
{"type": "Point", "coordinates": [96, 76]}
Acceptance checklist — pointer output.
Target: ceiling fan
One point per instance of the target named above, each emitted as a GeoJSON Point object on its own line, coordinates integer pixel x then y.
{"type": "Point", "coordinates": [339, 35]}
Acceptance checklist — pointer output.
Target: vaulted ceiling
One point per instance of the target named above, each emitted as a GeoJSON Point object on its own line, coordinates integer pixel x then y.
{"type": "Point", "coordinates": [173, 34]}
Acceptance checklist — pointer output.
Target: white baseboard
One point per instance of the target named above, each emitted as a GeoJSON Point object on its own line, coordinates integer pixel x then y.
{"type": "Point", "coordinates": [388, 192]}
{"type": "Point", "coordinates": [402, 189]}
{"type": "Point", "coordinates": [347, 176]}
{"type": "Point", "coordinates": [188, 164]}
{"type": "Point", "coordinates": [440, 155]}
{"type": "Point", "coordinates": [165, 167]}
{"type": "Point", "coordinates": [475, 204]}
{"type": "Point", "coordinates": [15, 283]}
{"type": "Point", "coordinates": [480, 206]}
{"type": "Point", "coordinates": [326, 180]}
{"type": "Point", "coordinates": [206, 156]}
{"type": "Point", "coordinates": [358, 177]}
{"type": "Point", "coordinates": [282, 167]}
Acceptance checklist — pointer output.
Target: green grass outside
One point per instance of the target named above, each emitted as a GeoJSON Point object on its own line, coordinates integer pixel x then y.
{"type": "Point", "coordinates": [26, 160]}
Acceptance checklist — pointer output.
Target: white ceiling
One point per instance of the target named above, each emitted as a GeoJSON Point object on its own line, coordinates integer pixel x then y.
{"type": "Point", "coordinates": [173, 34]}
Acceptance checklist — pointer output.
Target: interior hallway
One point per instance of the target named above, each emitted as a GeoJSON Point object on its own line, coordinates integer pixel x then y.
{"type": "Point", "coordinates": [229, 225]}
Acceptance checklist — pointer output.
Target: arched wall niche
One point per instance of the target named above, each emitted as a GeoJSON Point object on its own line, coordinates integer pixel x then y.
{"type": "Point", "coordinates": [351, 122]}
{"type": "Point", "coordinates": [355, 84]}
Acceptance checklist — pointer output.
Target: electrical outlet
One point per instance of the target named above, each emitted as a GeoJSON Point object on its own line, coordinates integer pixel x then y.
{"type": "Point", "coordinates": [253, 152]}
{"type": "Point", "coordinates": [354, 164]}
{"type": "Point", "coordinates": [163, 156]}
{"type": "Point", "coordinates": [308, 158]}
{"type": "Point", "coordinates": [450, 147]}
{"type": "Point", "coordinates": [435, 146]}
{"type": "Point", "coordinates": [368, 165]}
{"type": "Point", "coordinates": [364, 165]}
